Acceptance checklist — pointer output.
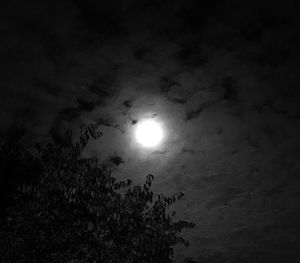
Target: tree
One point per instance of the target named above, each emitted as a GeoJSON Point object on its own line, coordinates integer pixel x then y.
{"type": "Point", "coordinates": [76, 211]}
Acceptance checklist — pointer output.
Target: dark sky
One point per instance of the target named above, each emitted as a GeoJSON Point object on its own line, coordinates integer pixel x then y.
{"type": "Point", "coordinates": [223, 77]}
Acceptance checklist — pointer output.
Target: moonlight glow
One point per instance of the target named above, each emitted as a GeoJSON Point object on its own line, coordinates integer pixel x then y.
{"type": "Point", "coordinates": [149, 133]}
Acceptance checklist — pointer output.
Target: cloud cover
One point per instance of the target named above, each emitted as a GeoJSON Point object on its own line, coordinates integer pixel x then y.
{"type": "Point", "coordinates": [223, 79]}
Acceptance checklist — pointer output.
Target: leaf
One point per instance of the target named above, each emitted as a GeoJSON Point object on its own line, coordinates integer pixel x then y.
{"type": "Point", "coordinates": [90, 226]}
{"type": "Point", "coordinates": [77, 204]}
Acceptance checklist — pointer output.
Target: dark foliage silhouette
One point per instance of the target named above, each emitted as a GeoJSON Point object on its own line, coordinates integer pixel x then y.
{"type": "Point", "coordinates": [76, 211]}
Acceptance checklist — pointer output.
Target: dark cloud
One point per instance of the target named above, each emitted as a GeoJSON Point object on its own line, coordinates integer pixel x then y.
{"type": "Point", "coordinates": [128, 103]}
{"type": "Point", "coordinates": [107, 122]}
{"type": "Point", "coordinates": [117, 160]}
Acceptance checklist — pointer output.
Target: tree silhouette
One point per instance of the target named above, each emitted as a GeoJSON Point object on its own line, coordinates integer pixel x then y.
{"type": "Point", "coordinates": [76, 211]}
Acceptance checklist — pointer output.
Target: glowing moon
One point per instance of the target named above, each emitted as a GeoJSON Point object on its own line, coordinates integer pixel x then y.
{"type": "Point", "coordinates": [149, 133]}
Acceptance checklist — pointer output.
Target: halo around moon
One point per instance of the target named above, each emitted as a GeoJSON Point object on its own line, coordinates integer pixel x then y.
{"type": "Point", "coordinates": [149, 133]}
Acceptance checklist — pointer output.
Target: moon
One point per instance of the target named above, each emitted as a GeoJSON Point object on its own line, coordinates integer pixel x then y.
{"type": "Point", "coordinates": [149, 133]}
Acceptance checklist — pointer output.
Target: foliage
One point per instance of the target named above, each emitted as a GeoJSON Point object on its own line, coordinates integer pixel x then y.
{"type": "Point", "coordinates": [16, 166]}
{"type": "Point", "coordinates": [78, 212]}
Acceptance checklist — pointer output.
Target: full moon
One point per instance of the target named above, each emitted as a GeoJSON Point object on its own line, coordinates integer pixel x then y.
{"type": "Point", "coordinates": [149, 133]}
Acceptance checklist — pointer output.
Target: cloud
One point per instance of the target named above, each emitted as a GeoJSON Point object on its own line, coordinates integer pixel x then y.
{"type": "Point", "coordinates": [227, 95]}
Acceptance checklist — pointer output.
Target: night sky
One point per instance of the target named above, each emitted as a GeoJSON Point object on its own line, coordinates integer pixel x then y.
{"type": "Point", "coordinates": [221, 76]}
